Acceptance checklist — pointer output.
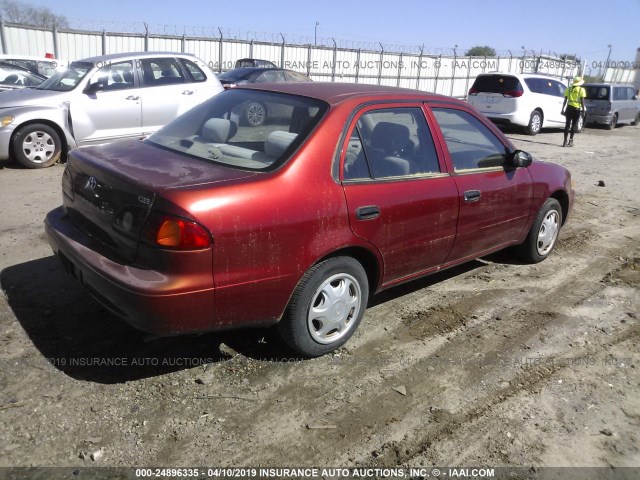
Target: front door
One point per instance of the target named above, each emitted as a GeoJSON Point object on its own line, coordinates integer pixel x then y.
{"type": "Point", "coordinates": [494, 198]}
{"type": "Point", "coordinates": [110, 106]}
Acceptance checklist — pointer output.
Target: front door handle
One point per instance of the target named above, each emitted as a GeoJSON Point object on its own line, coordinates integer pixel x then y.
{"type": "Point", "coordinates": [187, 92]}
{"type": "Point", "coordinates": [368, 213]}
{"type": "Point", "coordinates": [471, 196]}
{"type": "Point", "coordinates": [132, 97]}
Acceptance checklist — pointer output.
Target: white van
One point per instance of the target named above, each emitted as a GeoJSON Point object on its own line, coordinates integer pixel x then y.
{"type": "Point", "coordinates": [528, 100]}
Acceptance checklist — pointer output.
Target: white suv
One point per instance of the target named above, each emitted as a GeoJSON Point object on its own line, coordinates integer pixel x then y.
{"type": "Point", "coordinates": [527, 100]}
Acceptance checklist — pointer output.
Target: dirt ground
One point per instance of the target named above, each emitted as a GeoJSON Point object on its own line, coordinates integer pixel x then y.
{"type": "Point", "coordinates": [494, 363]}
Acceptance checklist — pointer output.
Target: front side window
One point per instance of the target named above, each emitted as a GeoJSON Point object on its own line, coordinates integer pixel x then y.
{"type": "Point", "coordinates": [471, 144]}
{"type": "Point", "coordinates": [114, 76]}
{"type": "Point", "coordinates": [217, 130]}
{"type": "Point", "coordinates": [161, 71]}
{"type": "Point", "coordinates": [390, 143]}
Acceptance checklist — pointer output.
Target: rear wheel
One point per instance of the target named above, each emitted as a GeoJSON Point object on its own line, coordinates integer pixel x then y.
{"type": "Point", "coordinates": [543, 234]}
{"type": "Point", "coordinates": [613, 122]}
{"type": "Point", "coordinates": [535, 123]}
{"type": "Point", "coordinates": [36, 146]}
{"type": "Point", "coordinates": [326, 307]}
{"type": "Point", "coordinates": [255, 114]}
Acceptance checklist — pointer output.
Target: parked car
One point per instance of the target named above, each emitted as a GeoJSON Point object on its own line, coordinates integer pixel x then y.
{"type": "Point", "coordinates": [255, 113]}
{"type": "Point", "coordinates": [611, 104]}
{"type": "Point", "coordinates": [254, 62]}
{"type": "Point", "coordinates": [45, 66]}
{"type": "Point", "coordinates": [13, 77]}
{"type": "Point", "coordinates": [527, 100]}
{"type": "Point", "coordinates": [209, 225]}
{"type": "Point", "coordinates": [100, 99]}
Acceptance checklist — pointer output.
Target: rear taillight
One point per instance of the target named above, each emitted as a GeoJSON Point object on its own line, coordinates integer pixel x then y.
{"type": "Point", "coordinates": [176, 233]}
{"type": "Point", "coordinates": [473, 91]}
{"type": "Point", "coordinates": [512, 93]}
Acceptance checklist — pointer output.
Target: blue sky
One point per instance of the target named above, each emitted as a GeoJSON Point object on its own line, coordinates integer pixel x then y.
{"type": "Point", "coordinates": [583, 27]}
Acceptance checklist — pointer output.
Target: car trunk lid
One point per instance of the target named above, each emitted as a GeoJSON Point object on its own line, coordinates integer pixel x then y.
{"type": "Point", "coordinates": [109, 192]}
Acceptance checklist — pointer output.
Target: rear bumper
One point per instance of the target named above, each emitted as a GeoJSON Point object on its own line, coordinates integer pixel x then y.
{"type": "Point", "coordinates": [162, 303]}
{"type": "Point", "coordinates": [602, 119]}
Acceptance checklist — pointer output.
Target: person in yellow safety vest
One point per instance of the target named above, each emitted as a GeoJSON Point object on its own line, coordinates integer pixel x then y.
{"type": "Point", "coordinates": [572, 107]}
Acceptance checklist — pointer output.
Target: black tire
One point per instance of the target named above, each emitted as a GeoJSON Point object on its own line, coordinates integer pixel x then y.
{"type": "Point", "coordinates": [544, 233]}
{"type": "Point", "coordinates": [36, 146]}
{"type": "Point", "coordinates": [613, 122]}
{"type": "Point", "coordinates": [254, 114]}
{"type": "Point", "coordinates": [535, 123]}
{"type": "Point", "coordinates": [340, 280]}
{"type": "Point", "coordinates": [637, 120]}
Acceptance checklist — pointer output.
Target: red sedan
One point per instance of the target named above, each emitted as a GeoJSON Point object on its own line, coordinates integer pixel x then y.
{"type": "Point", "coordinates": [349, 189]}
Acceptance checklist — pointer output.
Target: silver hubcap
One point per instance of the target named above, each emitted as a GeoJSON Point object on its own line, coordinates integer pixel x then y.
{"type": "Point", "coordinates": [38, 147]}
{"type": "Point", "coordinates": [334, 308]}
{"type": "Point", "coordinates": [255, 114]}
{"type": "Point", "coordinates": [548, 232]}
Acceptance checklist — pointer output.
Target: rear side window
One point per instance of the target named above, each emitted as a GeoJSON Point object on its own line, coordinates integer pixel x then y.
{"type": "Point", "coordinates": [496, 84]}
{"type": "Point", "coordinates": [470, 143]}
{"type": "Point", "coordinates": [388, 143]}
{"type": "Point", "coordinates": [195, 73]}
{"type": "Point", "coordinates": [545, 86]}
{"type": "Point", "coordinates": [161, 71]}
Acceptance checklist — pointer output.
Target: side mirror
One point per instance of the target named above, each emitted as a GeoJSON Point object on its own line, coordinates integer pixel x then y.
{"type": "Point", "coordinates": [635, 97]}
{"type": "Point", "coordinates": [93, 88]}
{"type": "Point", "coordinates": [520, 159]}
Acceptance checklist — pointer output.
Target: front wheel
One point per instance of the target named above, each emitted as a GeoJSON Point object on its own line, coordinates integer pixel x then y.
{"type": "Point", "coordinates": [543, 234]}
{"type": "Point", "coordinates": [637, 120]}
{"type": "Point", "coordinates": [535, 123]}
{"type": "Point", "coordinates": [326, 307]}
{"type": "Point", "coordinates": [36, 146]}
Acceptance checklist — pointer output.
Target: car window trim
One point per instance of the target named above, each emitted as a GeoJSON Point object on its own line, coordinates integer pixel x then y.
{"type": "Point", "coordinates": [343, 141]}
{"type": "Point", "coordinates": [509, 147]}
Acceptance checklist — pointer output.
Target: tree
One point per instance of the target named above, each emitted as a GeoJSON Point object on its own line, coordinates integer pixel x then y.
{"type": "Point", "coordinates": [478, 51]}
{"type": "Point", "coordinates": [15, 11]}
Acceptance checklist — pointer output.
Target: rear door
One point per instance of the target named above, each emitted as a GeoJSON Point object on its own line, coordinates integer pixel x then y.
{"type": "Point", "coordinates": [494, 199]}
{"type": "Point", "coordinates": [110, 106]}
{"type": "Point", "coordinates": [399, 196]}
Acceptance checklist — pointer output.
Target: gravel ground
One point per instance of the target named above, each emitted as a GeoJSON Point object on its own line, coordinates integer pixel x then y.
{"type": "Point", "coordinates": [493, 363]}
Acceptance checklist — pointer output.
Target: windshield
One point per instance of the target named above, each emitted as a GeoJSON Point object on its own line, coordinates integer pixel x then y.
{"type": "Point", "coordinates": [69, 79]}
{"type": "Point", "coordinates": [247, 129]}
{"type": "Point", "coordinates": [16, 77]}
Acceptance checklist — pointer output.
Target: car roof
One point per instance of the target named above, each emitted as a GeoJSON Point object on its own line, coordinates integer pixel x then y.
{"type": "Point", "coordinates": [247, 70]}
{"type": "Point", "coordinates": [335, 93]}
{"type": "Point", "coordinates": [605, 84]}
{"type": "Point", "coordinates": [522, 75]}
{"type": "Point", "coordinates": [124, 56]}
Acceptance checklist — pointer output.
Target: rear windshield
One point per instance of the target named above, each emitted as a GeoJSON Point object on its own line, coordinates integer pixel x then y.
{"type": "Point", "coordinates": [246, 129]}
{"type": "Point", "coordinates": [595, 92]}
{"type": "Point", "coordinates": [496, 84]}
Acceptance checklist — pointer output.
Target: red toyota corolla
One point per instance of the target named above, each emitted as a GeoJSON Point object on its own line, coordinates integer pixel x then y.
{"type": "Point", "coordinates": [344, 190]}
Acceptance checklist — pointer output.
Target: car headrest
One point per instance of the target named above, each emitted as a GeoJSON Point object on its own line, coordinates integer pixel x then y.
{"type": "Point", "coordinates": [277, 142]}
{"type": "Point", "coordinates": [219, 130]}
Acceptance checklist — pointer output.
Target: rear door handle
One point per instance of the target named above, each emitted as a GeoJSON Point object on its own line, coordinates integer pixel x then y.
{"type": "Point", "coordinates": [133, 97]}
{"type": "Point", "coordinates": [368, 213]}
{"type": "Point", "coordinates": [187, 92]}
{"type": "Point", "coordinates": [471, 196]}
